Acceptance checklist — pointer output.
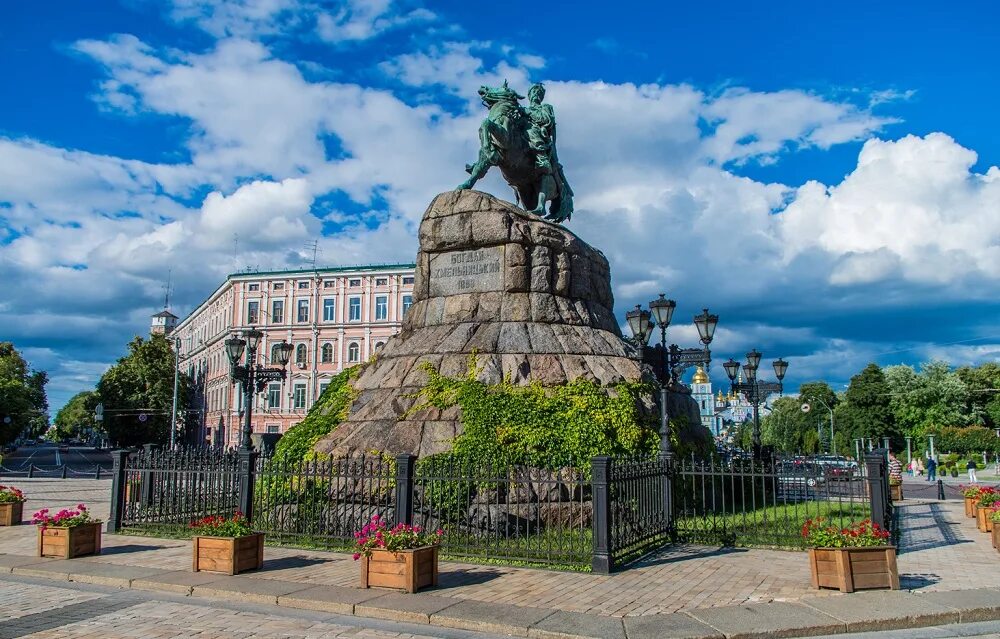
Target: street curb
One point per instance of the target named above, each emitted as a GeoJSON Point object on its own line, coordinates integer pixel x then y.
{"type": "Point", "coordinates": [943, 608]}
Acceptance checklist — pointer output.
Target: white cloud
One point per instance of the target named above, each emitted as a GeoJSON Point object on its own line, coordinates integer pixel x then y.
{"type": "Point", "coordinates": [365, 19]}
{"type": "Point", "coordinates": [912, 208]}
{"type": "Point", "coordinates": [277, 151]}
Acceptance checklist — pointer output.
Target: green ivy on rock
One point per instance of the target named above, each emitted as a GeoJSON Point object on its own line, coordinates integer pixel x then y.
{"type": "Point", "coordinates": [542, 426]}
{"type": "Point", "coordinates": [328, 411]}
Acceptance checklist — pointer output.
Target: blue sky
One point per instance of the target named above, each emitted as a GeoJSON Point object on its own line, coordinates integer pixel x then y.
{"type": "Point", "coordinates": [823, 177]}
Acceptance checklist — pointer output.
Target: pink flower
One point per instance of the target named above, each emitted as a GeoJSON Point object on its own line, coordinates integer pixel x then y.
{"type": "Point", "coordinates": [357, 556]}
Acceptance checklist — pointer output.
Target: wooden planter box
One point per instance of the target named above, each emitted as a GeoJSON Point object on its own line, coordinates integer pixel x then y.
{"type": "Point", "coordinates": [984, 521]}
{"type": "Point", "coordinates": [228, 555]}
{"type": "Point", "coordinates": [11, 513]}
{"type": "Point", "coordinates": [407, 570]}
{"type": "Point", "coordinates": [896, 492]}
{"type": "Point", "coordinates": [995, 535]}
{"type": "Point", "coordinates": [67, 543]}
{"type": "Point", "coordinates": [850, 569]}
{"type": "Point", "coordinates": [970, 503]}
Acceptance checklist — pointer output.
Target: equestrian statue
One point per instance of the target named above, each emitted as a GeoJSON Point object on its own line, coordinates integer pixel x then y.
{"type": "Point", "coordinates": [522, 142]}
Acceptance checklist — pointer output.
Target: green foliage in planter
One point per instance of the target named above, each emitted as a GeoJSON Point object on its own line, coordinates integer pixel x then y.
{"type": "Point", "coordinates": [542, 426]}
{"type": "Point", "coordinates": [328, 411]}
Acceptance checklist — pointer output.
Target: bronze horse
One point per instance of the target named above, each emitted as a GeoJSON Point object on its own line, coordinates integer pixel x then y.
{"type": "Point", "coordinates": [504, 143]}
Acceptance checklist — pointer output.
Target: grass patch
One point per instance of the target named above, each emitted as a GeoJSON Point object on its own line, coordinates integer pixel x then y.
{"type": "Point", "coordinates": [771, 527]}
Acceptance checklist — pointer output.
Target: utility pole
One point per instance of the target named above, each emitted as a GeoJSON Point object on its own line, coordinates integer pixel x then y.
{"type": "Point", "coordinates": [173, 410]}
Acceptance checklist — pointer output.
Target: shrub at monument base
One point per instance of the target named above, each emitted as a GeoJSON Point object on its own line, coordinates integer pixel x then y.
{"type": "Point", "coordinates": [559, 426]}
{"type": "Point", "coordinates": [328, 411]}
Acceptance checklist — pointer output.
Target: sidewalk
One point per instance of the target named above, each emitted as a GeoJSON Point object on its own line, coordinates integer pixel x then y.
{"type": "Point", "coordinates": [685, 591]}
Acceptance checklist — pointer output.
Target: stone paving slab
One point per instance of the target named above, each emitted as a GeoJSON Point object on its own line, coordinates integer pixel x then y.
{"type": "Point", "coordinates": [243, 588]}
{"type": "Point", "coordinates": [9, 562]}
{"type": "Point", "coordinates": [490, 617]}
{"type": "Point", "coordinates": [884, 610]}
{"type": "Point", "coordinates": [178, 581]}
{"type": "Point", "coordinates": [416, 608]}
{"type": "Point", "coordinates": [338, 599]}
{"type": "Point", "coordinates": [982, 604]}
{"type": "Point", "coordinates": [759, 621]}
{"type": "Point", "coordinates": [675, 625]}
{"type": "Point", "coordinates": [577, 625]}
{"type": "Point", "coordinates": [109, 575]}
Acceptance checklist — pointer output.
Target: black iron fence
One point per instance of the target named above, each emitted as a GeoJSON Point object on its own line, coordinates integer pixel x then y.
{"type": "Point", "coordinates": [562, 517]}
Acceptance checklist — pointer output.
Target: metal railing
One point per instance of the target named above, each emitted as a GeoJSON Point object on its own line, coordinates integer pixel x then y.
{"type": "Point", "coordinates": [754, 503]}
{"type": "Point", "coordinates": [626, 509]}
{"type": "Point", "coordinates": [505, 513]}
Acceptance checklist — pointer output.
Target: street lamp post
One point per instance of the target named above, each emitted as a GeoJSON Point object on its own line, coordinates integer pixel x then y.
{"type": "Point", "coordinates": [668, 362]}
{"type": "Point", "coordinates": [754, 390]}
{"type": "Point", "coordinates": [252, 375]}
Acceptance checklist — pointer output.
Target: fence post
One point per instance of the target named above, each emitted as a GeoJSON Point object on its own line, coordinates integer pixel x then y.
{"type": "Point", "coordinates": [119, 458]}
{"type": "Point", "coordinates": [31, 471]}
{"type": "Point", "coordinates": [404, 489]}
{"type": "Point", "coordinates": [940, 487]}
{"type": "Point", "coordinates": [63, 471]}
{"type": "Point", "coordinates": [878, 487]}
{"type": "Point", "coordinates": [248, 463]}
{"type": "Point", "coordinates": [600, 472]}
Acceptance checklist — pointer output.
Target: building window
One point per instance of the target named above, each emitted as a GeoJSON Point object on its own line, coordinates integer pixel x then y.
{"type": "Point", "coordinates": [253, 287]}
{"type": "Point", "coordinates": [274, 428]}
{"type": "Point", "coordinates": [303, 314]}
{"type": "Point", "coordinates": [354, 309]}
{"type": "Point", "coordinates": [274, 396]}
{"type": "Point", "coordinates": [304, 284]}
{"type": "Point", "coordinates": [407, 279]}
{"type": "Point", "coordinates": [354, 353]}
{"type": "Point", "coordinates": [381, 308]}
{"type": "Point", "coordinates": [381, 281]}
{"type": "Point", "coordinates": [378, 346]}
{"type": "Point", "coordinates": [253, 312]}
{"type": "Point", "coordinates": [407, 303]}
{"type": "Point", "coordinates": [275, 352]}
{"type": "Point", "coordinates": [322, 387]}
{"type": "Point", "coordinates": [329, 283]}
{"type": "Point", "coordinates": [300, 354]}
{"type": "Point", "coordinates": [279, 286]}
{"type": "Point", "coordinates": [326, 353]}
{"type": "Point", "coordinates": [355, 281]}
{"type": "Point", "coordinates": [329, 310]}
{"type": "Point", "coordinates": [299, 396]}
{"type": "Point", "coordinates": [277, 311]}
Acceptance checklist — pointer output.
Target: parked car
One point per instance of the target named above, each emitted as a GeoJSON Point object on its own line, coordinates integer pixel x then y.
{"type": "Point", "coordinates": [800, 473]}
{"type": "Point", "coordinates": [836, 466]}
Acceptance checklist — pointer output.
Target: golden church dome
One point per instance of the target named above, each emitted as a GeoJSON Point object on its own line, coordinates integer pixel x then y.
{"type": "Point", "coordinates": [699, 376]}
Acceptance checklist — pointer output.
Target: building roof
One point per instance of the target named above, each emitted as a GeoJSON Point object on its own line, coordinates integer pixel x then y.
{"type": "Point", "coordinates": [326, 269]}
{"type": "Point", "coordinates": [165, 313]}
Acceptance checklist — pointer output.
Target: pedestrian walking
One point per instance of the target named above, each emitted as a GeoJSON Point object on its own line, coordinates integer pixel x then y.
{"type": "Point", "coordinates": [931, 469]}
{"type": "Point", "coordinates": [895, 468]}
{"type": "Point", "coordinates": [971, 467]}
{"type": "Point", "coordinates": [920, 467]}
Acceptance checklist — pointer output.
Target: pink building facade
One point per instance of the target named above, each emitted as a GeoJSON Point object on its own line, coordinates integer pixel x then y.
{"type": "Point", "coordinates": [335, 318]}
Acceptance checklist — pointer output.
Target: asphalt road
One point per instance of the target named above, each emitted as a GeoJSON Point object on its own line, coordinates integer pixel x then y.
{"type": "Point", "coordinates": [47, 460]}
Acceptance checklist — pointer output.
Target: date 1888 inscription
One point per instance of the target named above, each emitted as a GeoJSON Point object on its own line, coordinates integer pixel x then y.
{"type": "Point", "coordinates": [457, 272]}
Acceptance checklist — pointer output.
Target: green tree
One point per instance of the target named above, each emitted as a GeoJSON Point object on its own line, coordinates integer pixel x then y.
{"type": "Point", "coordinates": [866, 411]}
{"type": "Point", "coordinates": [137, 393]}
{"type": "Point", "coordinates": [934, 397]}
{"type": "Point", "coordinates": [983, 404]}
{"type": "Point", "coordinates": [76, 416]}
{"type": "Point", "coordinates": [23, 404]}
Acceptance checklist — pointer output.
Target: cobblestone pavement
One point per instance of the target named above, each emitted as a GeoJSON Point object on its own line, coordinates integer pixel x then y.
{"type": "Point", "coordinates": [941, 548]}
{"type": "Point", "coordinates": [42, 611]}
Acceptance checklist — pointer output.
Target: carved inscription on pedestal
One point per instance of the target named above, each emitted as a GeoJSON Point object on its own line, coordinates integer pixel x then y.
{"type": "Point", "coordinates": [456, 272]}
